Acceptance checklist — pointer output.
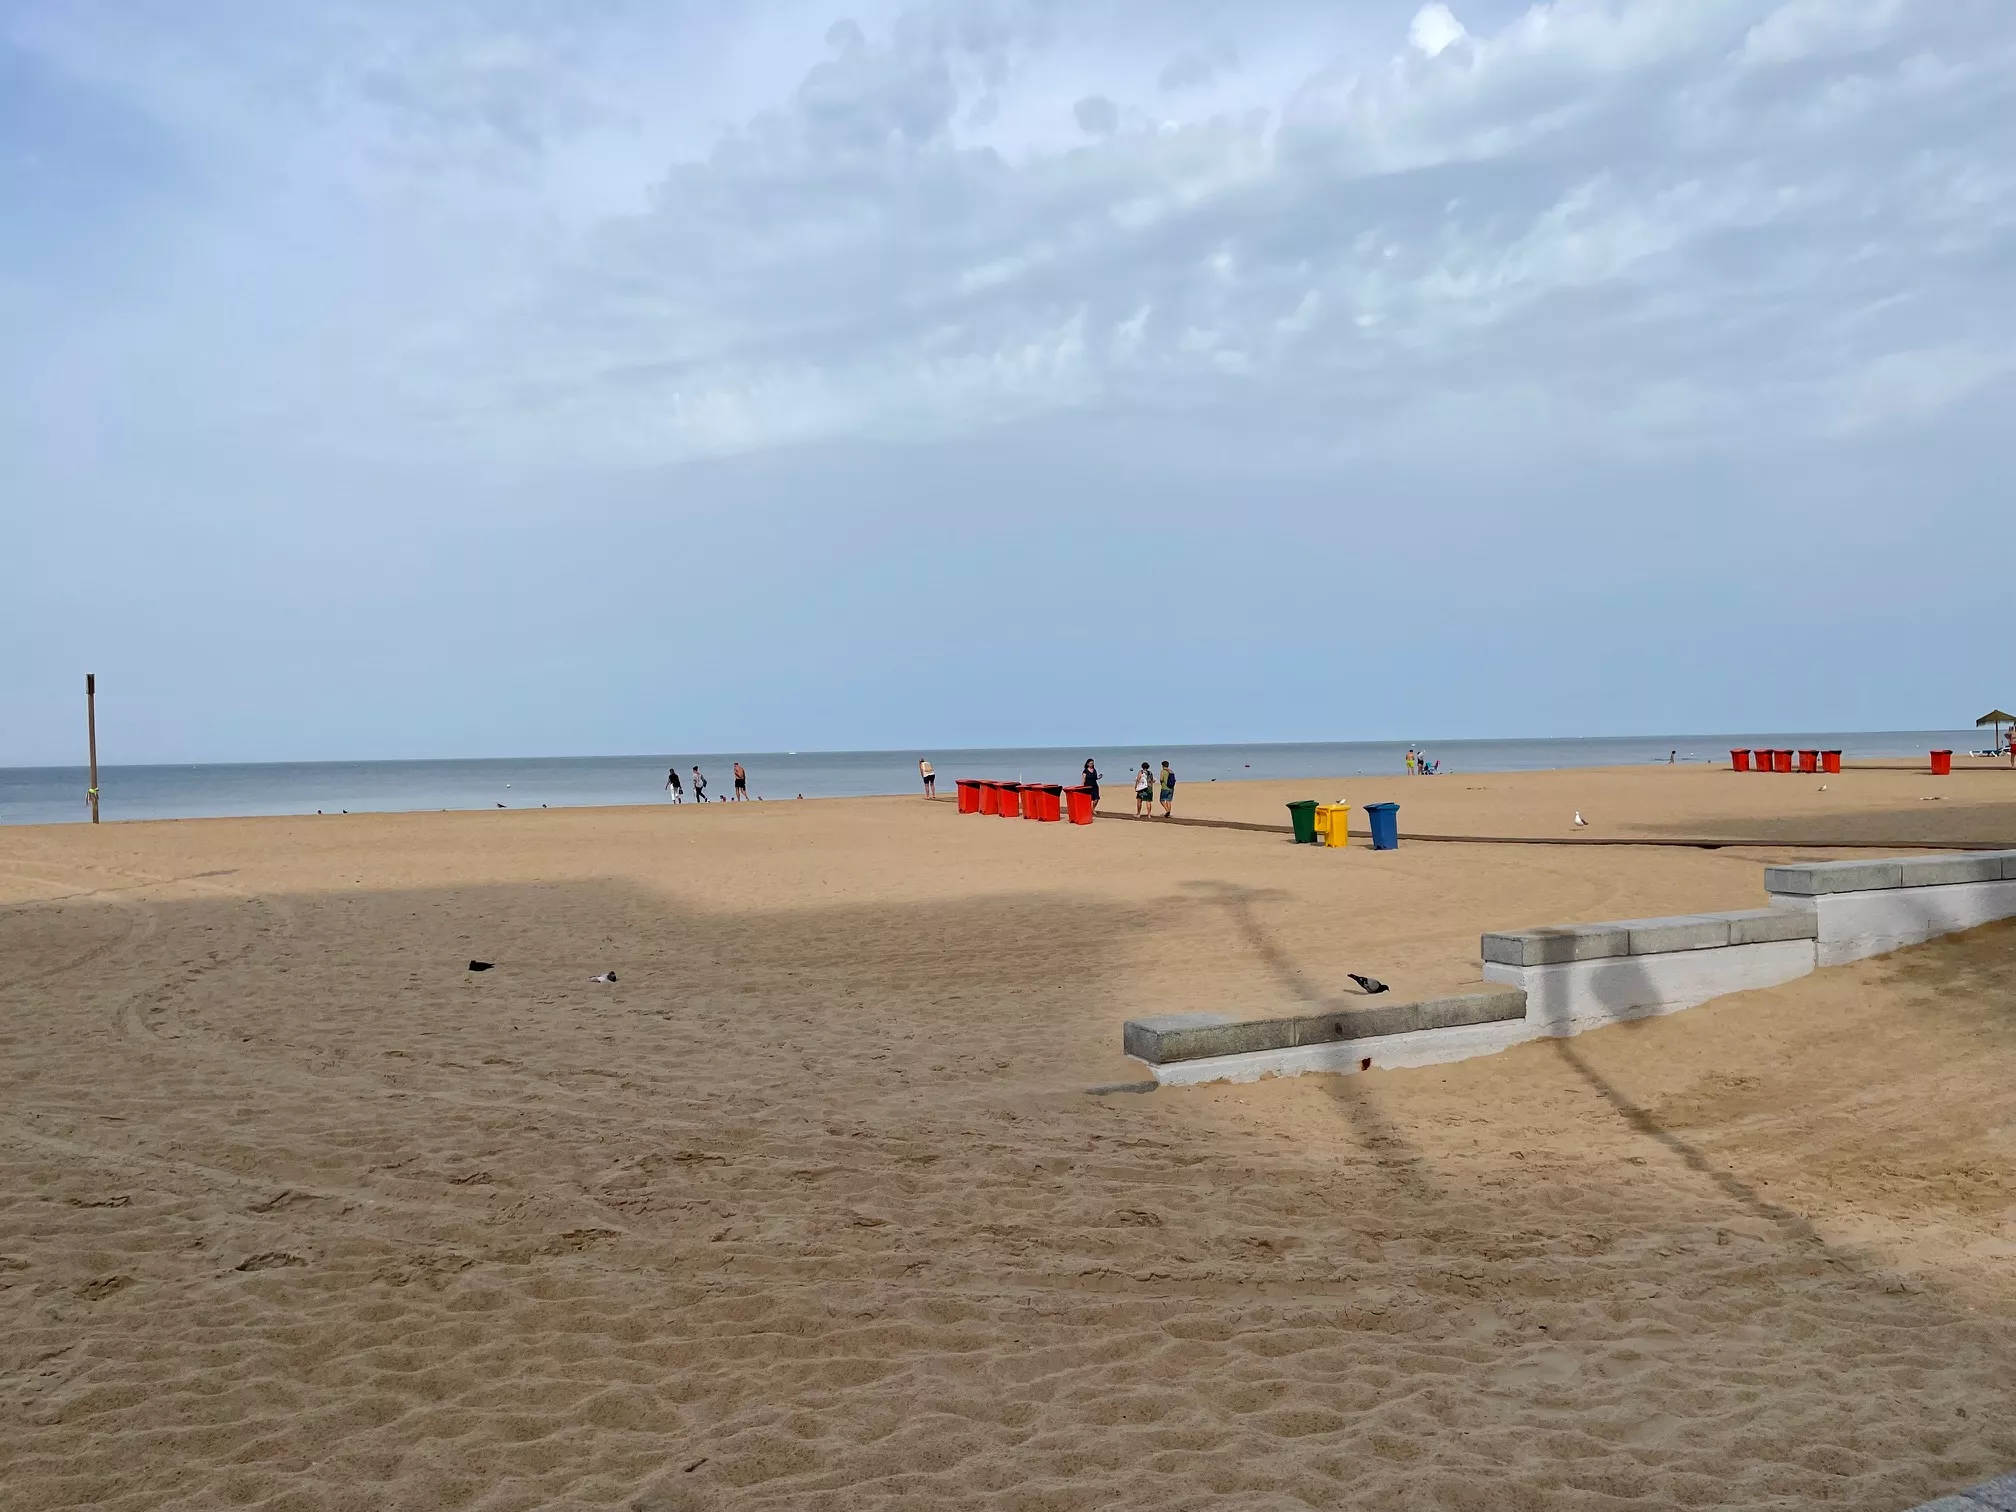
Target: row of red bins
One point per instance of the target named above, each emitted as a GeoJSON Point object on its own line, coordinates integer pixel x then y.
{"type": "Point", "coordinates": [1048, 801]}
{"type": "Point", "coordinates": [1781, 761]}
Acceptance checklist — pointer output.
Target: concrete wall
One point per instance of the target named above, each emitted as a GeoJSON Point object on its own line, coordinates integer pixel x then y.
{"type": "Point", "coordinates": [1573, 977]}
{"type": "Point", "coordinates": [1864, 908]}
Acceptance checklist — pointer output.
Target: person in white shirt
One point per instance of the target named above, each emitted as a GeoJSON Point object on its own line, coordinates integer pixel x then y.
{"type": "Point", "coordinates": [930, 776]}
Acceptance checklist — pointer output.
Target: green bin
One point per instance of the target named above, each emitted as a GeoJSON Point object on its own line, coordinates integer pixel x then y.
{"type": "Point", "coordinates": [1304, 816]}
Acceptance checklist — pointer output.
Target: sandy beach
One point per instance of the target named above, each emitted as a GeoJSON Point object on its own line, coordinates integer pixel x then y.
{"type": "Point", "coordinates": [812, 1207]}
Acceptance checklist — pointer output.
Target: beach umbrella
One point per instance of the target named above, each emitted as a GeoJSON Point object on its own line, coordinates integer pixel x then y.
{"type": "Point", "coordinates": [1997, 718]}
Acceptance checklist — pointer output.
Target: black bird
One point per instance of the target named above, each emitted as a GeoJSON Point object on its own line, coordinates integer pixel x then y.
{"type": "Point", "coordinates": [1368, 985]}
{"type": "Point", "coordinates": [481, 965]}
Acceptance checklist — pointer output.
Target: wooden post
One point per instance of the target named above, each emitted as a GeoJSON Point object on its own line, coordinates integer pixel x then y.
{"type": "Point", "coordinates": [91, 723]}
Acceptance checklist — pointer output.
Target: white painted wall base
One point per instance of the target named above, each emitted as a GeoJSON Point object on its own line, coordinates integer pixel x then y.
{"type": "Point", "coordinates": [1577, 995]}
{"type": "Point", "coordinates": [1857, 925]}
{"type": "Point", "coordinates": [1389, 1052]}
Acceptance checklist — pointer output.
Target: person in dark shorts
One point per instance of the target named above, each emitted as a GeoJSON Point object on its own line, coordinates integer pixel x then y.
{"type": "Point", "coordinates": [741, 784]}
{"type": "Point", "coordinates": [1168, 789]}
{"type": "Point", "coordinates": [1144, 792]}
{"type": "Point", "coordinates": [930, 775]}
{"type": "Point", "coordinates": [699, 786]}
{"type": "Point", "coordinates": [1091, 780]}
{"type": "Point", "coordinates": [672, 788]}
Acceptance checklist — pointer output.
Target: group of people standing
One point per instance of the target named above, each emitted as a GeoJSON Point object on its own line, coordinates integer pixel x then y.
{"type": "Point", "coordinates": [677, 793]}
{"type": "Point", "coordinates": [1147, 784]}
{"type": "Point", "coordinates": [1418, 764]}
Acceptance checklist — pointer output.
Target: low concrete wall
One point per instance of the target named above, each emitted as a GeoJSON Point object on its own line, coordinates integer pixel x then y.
{"type": "Point", "coordinates": [1171, 1037]}
{"type": "Point", "coordinates": [1582, 976]}
{"type": "Point", "coordinates": [1997, 1495]}
{"type": "Point", "coordinates": [1566, 978]}
{"type": "Point", "coordinates": [1865, 908]}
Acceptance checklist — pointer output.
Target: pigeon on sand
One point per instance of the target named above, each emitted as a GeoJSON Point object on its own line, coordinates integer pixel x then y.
{"type": "Point", "coordinates": [1368, 985]}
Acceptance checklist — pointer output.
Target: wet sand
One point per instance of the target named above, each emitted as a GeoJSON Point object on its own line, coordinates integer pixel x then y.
{"type": "Point", "coordinates": [812, 1209]}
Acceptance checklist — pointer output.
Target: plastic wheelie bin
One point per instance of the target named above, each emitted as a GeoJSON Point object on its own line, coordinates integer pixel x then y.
{"type": "Point", "coordinates": [1942, 763]}
{"type": "Point", "coordinates": [1011, 800]}
{"type": "Point", "coordinates": [1739, 761]}
{"type": "Point", "coordinates": [969, 795]}
{"type": "Point", "coordinates": [1830, 761]}
{"type": "Point", "coordinates": [1331, 822]}
{"type": "Point", "coordinates": [1078, 801]}
{"type": "Point", "coordinates": [1302, 814]}
{"type": "Point", "coordinates": [1385, 819]}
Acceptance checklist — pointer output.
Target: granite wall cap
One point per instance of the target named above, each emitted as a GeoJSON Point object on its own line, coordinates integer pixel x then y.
{"type": "Point", "coordinates": [1999, 1493]}
{"type": "Point", "coordinates": [1822, 877]}
{"type": "Point", "coordinates": [1679, 932]}
{"type": "Point", "coordinates": [1556, 944]}
{"type": "Point", "coordinates": [1767, 926]}
{"type": "Point", "coordinates": [1166, 1038]}
{"type": "Point", "coordinates": [1939, 871]}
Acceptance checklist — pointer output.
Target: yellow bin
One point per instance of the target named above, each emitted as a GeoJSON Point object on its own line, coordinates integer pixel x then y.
{"type": "Point", "coordinates": [1331, 821]}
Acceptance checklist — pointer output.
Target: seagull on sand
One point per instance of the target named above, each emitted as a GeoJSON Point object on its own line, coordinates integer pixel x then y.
{"type": "Point", "coordinates": [1580, 822]}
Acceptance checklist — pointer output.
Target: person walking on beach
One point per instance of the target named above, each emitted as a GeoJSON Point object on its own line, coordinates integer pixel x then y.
{"type": "Point", "coordinates": [1168, 789]}
{"type": "Point", "coordinates": [930, 776]}
{"type": "Point", "coordinates": [672, 789]}
{"type": "Point", "coordinates": [1091, 780]}
{"type": "Point", "coordinates": [1144, 792]}
{"type": "Point", "coordinates": [741, 784]}
{"type": "Point", "coordinates": [699, 786]}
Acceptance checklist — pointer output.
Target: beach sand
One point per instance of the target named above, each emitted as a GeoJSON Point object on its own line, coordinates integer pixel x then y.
{"type": "Point", "coordinates": [812, 1207]}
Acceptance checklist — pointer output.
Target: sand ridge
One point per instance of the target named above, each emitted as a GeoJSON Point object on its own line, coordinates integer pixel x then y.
{"type": "Point", "coordinates": [811, 1208]}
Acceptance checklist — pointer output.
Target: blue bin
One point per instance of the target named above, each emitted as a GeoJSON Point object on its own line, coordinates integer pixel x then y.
{"type": "Point", "coordinates": [1385, 825]}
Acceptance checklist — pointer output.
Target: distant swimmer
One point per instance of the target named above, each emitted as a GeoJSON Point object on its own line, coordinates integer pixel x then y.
{"type": "Point", "coordinates": [930, 776]}
{"type": "Point", "coordinates": [741, 784]}
{"type": "Point", "coordinates": [672, 789]}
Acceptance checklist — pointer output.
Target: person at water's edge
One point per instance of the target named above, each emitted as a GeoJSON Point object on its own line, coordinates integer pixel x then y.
{"type": "Point", "coordinates": [930, 776]}
{"type": "Point", "coordinates": [699, 786]}
{"type": "Point", "coordinates": [672, 787]}
{"type": "Point", "coordinates": [741, 783]}
{"type": "Point", "coordinates": [1091, 782]}
{"type": "Point", "coordinates": [1168, 789]}
{"type": "Point", "coordinates": [1144, 792]}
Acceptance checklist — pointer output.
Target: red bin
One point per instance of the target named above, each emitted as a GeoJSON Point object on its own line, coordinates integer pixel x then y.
{"type": "Point", "coordinates": [1942, 763]}
{"type": "Point", "coordinates": [1052, 805]}
{"type": "Point", "coordinates": [969, 796]}
{"type": "Point", "coordinates": [1078, 802]}
{"type": "Point", "coordinates": [1781, 761]}
{"type": "Point", "coordinates": [990, 797]}
{"type": "Point", "coordinates": [1739, 761]}
{"type": "Point", "coordinates": [1830, 761]}
{"type": "Point", "coordinates": [1010, 800]}
{"type": "Point", "coordinates": [1032, 800]}
{"type": "Point", "coordinates": [1809, 761]}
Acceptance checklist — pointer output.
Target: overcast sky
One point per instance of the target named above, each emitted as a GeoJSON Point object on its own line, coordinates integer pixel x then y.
{"type": "Point", "coordinates": [583, 376]}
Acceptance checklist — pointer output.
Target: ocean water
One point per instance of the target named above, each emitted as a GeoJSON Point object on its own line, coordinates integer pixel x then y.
{"type": "Point", "coordinates": [52, 795]}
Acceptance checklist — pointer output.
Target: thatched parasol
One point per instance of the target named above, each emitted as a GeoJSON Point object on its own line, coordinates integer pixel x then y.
{"type": "Point", "coordinates": [1997, 718]}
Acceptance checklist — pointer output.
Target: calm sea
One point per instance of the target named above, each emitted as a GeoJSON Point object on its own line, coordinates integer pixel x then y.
{"type": "Point", "coordinates": [50, 795]}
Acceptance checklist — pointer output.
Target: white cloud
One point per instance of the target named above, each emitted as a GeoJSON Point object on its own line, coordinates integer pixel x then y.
{"type": "Point", "coordinates": [589, 238]}
{"type": "Point", "coordinates": [1435, 29]}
